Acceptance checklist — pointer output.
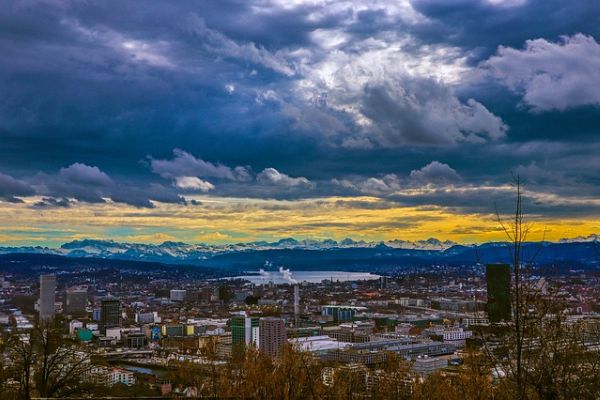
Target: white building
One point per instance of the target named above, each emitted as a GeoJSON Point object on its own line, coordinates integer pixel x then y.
{"type": "Point", "coordinates": [118, 375]}
{"type": "Point", "coordinates": [318, 344]}
{"type": "Point", "coordinates": [456, 334]}
{"type": "Point", "coordinates": [113, 333]}
{"type": "Point", "coordinates": [424, 366]}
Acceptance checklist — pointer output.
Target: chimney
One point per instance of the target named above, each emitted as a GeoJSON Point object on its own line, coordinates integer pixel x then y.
{"type": "Point", "coordinates": [296, 302]}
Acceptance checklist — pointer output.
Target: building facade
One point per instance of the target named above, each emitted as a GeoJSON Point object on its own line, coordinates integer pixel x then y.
{"type": "Point", "coordinates": [110, 314]}
{"type": "Point", "coordinates": [273, 335]}
{"type": "Point", "coordinates": [498, 292]}
{"type": "Point", "coordinates": [245, 331]}
{"type": "Point", "coordinates": [119, 375]}
{"type": "Point", "coordinates": [47, 296]}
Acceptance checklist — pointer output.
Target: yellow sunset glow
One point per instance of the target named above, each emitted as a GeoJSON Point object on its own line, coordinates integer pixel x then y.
{"type": "Point", "coordinates": [232, 220]}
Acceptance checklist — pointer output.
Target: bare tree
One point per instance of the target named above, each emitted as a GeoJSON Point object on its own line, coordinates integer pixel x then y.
{"type": "Point", "coordinates": [21, 351]}
{"type": "Point", "coordinates": [517, 232]}
{"type": "Point", "coordinates": [542, 353]}
{"type": "Point", "coordinates": [60, 364]}
{"type": "Point", "coordinates": [47, 365]}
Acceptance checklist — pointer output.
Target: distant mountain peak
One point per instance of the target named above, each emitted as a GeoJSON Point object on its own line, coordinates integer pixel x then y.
{"type": "Point", "coordinates": [581, 239]}
{"type": "Point", "coordinates": [88, 242]}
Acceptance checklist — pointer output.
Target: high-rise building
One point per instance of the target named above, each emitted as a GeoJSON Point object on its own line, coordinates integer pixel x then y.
{"type": "Point", "coordinates": [272, 335]}
{"type": "Point", "coordinates": [245, 331]}
{"type": "Point", "coordinates": [76, 300]}
{"type": "Point", "coordinates": [110, 314]}
{"type": "Point", "coordinates": [498, 292]}
{"type": "Point", "coordinates": [47, 296]}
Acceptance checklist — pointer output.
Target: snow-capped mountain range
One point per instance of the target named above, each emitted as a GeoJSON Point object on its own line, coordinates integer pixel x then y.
{"type": "Point", "coordinates": [104, 248]}
{"type": "Point", "coordinates": [179, 252]}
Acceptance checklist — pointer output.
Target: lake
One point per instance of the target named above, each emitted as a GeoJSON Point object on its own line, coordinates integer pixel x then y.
{"type": "Point", "coordinates": [286, 276]}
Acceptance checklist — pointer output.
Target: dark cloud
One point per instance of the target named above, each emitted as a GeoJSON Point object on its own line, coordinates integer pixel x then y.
{"type": "Point", "coordinates": [483, 25]}
{"type": "Point", "coordinates": [143, 196]}
{"type": "Point", "coordinates": [82, 174]}
{"type": "Point", "coordinates": [435, 172]}
{"type": "Point", "coordinates": [89, 184]}
{"type": "Point", "coordinates": [51, 202]}
{"type": "Point", "coordinates": [11, 189]}
{"type": "Point", "coordinates": [185, 164]}
{"type": "Point", "coordinates": [421, 112]}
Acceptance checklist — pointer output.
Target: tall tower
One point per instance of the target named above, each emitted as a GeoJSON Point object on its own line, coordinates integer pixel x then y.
{"type": "Point", "coordinates": [47, 296]}
{"type": "Point", "coordinates": [110, 314]}
{"type": "Point", "coordinates": [272, 335]}
{"type": "Point", "coordinates": [498, 292]}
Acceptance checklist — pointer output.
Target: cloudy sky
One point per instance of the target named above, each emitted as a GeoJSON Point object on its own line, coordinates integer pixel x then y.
{"type": "Point", "coordinates": [238, 120]}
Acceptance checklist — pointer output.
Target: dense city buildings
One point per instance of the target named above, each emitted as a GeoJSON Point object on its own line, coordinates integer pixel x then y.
{"type": "Point", "coordinates": [177, 295]}
{"type": "Point", "coordinates": [427, 321]}
{"type": "Point", "coordinates": [339, 313]}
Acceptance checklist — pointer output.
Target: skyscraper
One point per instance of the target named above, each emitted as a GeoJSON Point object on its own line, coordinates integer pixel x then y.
{"type": "Point", "coordinates": [244, 331]}
{"type": "Point", "coordinates": [272, 335]}
{"type": "Point", "coordinates": [76, 300]}
{"type": "Point", "coordinates": [47, 296]}
{"type": "Point", "coordinates": [110, 314]}
{"type": "Point", "coordinates": [498, 292]}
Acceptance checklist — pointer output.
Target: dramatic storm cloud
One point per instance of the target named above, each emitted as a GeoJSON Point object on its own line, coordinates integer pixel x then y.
{"type": "Point", "coordinates": [259, 108]}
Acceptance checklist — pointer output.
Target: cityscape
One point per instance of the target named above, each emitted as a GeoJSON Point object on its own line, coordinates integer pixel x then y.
{"type": "Point", "coordinates": [300, 199]}
{"type": "Point", "coordinates": [131, 330]}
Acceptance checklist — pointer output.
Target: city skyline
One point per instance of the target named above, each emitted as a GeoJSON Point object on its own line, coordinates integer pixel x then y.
{"type": "Point", "coordinates": [226, 122]}
{"type": "Point", "coordinates": [300, 199]}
